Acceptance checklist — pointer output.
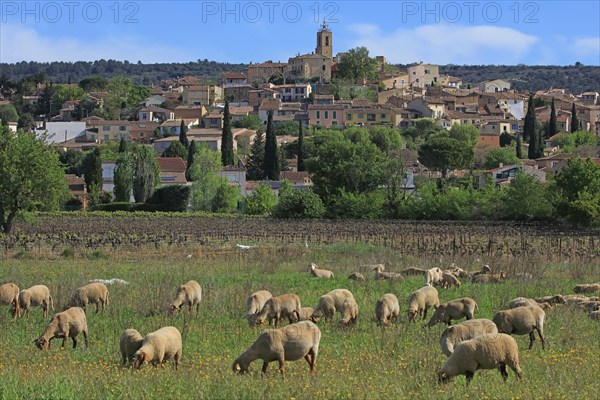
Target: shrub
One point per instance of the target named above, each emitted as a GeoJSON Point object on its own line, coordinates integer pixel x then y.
{"type": "Point", "coordinates": [171, 197]}
{"type": "Point", "coordinates": [295, 203]}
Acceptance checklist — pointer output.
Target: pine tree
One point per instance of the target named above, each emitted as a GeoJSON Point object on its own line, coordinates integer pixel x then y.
{"type": "Point", "coordinates": [183, 135]}
{"type": "Point", "coordinates": [271, 162]}
{"type": "Point", "coordinates": [122, 145]}
{"type": "Point", "coordinates": [552, 128]}
{"type": "Point", "coordinates": [93, 171]}
{"type": "Point", "coordinates": [255, 164]}
{"type": "Point", "coordinates": [574, 120]}
{"type": "Point", "coordinates": [300, 149]}
{"type": "Point", "coordinates": [226, 138]}
{"type": "Point", "coordinates": [519, 147]}
{"type": "Point", "coordinates": [192, 150]}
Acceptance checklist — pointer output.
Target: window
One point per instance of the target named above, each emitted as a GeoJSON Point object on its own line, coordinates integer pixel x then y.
{"type": "Point", "coordinates": [326, 40]}
{"type": "Point", "coordinates": [122, 128]}
{"type": "Point", "coordinates": [106, 138]}
{"type": "Point", "coordinates": [426, 71]}
{"type": "Point", "coordinates": [333, 123]}
{"type": "Point", "coordinates": [106, 128]}
{"type": "Point", "coordinates": [349, 117]}
{"type": "Point", "coordinates": [334, 115]}
{"type": "Point", "coordinates": [383, 116]}
{"type": "Point", "coordinates": [318, 114]}
{"type": "Point", "coordinates": [370, 117]}
{"type": "Point", "coordinates": [361, 115]}
{"type": "Point", "coordinates": [326, 114]}
{"type": "Point", "coordinates": [231, 178]}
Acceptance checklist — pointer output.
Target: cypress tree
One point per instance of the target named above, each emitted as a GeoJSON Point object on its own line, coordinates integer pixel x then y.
{"type": "Point", "coordinates": [529, 123]}
{"type": "Point", "coordinates": [532, 132]}
{"type": "Point", "coordinates": [93, 171]}
{"type": "Point", "coordinates": [255, 164]}
{"type": "Point", "coordinates": [192, 150]}
{"type": "Point", "coordinates": [300, 147]}
{"type": "Point", "coordinates": [122, 145]}
{"type": "Point", "coordinates": [226, 138]}
{"type": "Point", "coordinates": [574, 120]}
{"type": "Point", "coordinates": [183, 135]}
{"type": "Point", "coordinates": [519, 147]}
{"type": "Point", "coordinates": [552, 125]}
{"type": "Point", "coordinates": [271, 162]}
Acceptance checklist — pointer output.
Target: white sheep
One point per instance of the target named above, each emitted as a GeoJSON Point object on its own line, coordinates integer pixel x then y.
{"type": "Point", "coordinates": [488, 278]}
{"type": "Point", "coordinates": [9, 295]}
{"type": "Point", "coordinates": [589, 305]}
{"type": "Point", "coordinates": [420, 301]}
{"type": "Point", "coordinates": [357, 276]}
{"type": "Point", "coordinates": [556, 299]}
{"type": "Point", "coordinates": [305, 314]}
{"type": "Point", "coordinates": [466, 330]}
{"type": "Point", "coordinates": [413, 271]}
{"type": "Point", "coordinates": [524, 302]}
{"type": "Point", "coordinates": [325, 308]}
{"type": "Point", "coordinates": [379, 274]}
{"type": "Point", "coordinates": [484, 270]}
{"type": "Point", "coordinates": [387, 309]}
{"type": "Point", "coordinates": [489, 351]}
{"type": "Point", "coordinates": [93, 293]}
{"type": "Point", "coordinates": [66, 324]}
{"type": "Point", "coordinates": [522, 321]}
{"type": "Point", "coordinates": [455, 309]}
{"type": "Point", "coordinates": [255, 303]}
{"type": "Point", "coordinates": [448, 280]}
{"type": "Point", "coordinates": [130, 342]}
{"type": "Point", "coordinates": [158, 347]}
{"type": "Point", "coordinates": [35, 296]}
{"type": "Point", "coordinates": [290, 343]}
{"type": "Point", "coordinates": [190, 294]}
{"type": "Point", "coordinates": [349, 311]}
{"type": "Point", "coordinates": [284, 306]}
{"type": "Point", "coordinates": [594, 315]}
{"type": "Point", "coordinates": [320, 273]}
{"type": "Point", "coordinates": [433, 276]}
{"type": "Point", "coordinates": [587, 288]}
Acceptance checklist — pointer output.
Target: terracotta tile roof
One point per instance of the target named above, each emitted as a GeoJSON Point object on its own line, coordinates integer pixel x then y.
{"type": "Point", "coordinates": [242, 110]}
{"type": "Point", "coordinates": [270, 104]}
{"type": "Point", "coordinates": [171, 164]}
{"type": "Point", "coordinates": [172, 178]}
{"type": "Point", "coordinates": [293, 176]}
{"type": "Point", "coordinates": [234, 75]}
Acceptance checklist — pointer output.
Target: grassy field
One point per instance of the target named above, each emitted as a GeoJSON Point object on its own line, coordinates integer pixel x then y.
{"type": "Point", "coordinates": [362, 362]}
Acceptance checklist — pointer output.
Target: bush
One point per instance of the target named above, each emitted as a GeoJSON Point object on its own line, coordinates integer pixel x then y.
{"type": "Point", "coordinates": [295, 203]}
{"type": "Point", "coordinates": [260, 202]}
{"type": "Point", "coordinates": [171, 197]}
{"type": "Point", "coordinates": [356, 205]}
{"type": "Point", "coordinates": [118, 206]}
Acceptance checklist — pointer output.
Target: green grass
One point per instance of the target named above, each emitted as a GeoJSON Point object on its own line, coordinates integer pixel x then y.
{"type": "Point", "coordinates": [361, 362]}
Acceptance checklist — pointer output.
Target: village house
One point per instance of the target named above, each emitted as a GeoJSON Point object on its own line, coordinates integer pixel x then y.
{"type": "Point", "coordinates": [189, 112]}
{"type": "Point", "coordinates": [495, 85]}
{"type": "Point", "coordinates": [172, 170]}
{"type": "Point", "coordinates": [504, 174]}
{"type": "Point", "coordinates": [261, 73]}
{"type": "Point", "coordinates": [153, 113]}
{"type": "Point", "coordinates": [172, 127]}
{"type": "Point", "coordinates": [203, 95]}
{"type": "Point", "coordinates": [293, 92]}
{"type": "Point", "coordinates": [234, 79]}
{"type": "Point", "coordinates": [422, 75]}
{"type": "Point", "coordinates": [142, 132]}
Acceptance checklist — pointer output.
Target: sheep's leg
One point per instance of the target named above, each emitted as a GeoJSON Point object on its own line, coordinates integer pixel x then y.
{"type": "Point", "coordinates": [281, 366]}
{"type": "Point", "coordinates": [97, 306]}
{"type": "Point", "coordinates": [541, 335]}
{"type": "Point", "coordinates": [469, 376]}
{"type": "Point", "coordinates": [425, 313]}
{"type": "Point", "coordinates": [264, 367]}
{"type": "Point", "coordinates": [531, 339]}
{"type": "Point", "coordinates": [85, 337]}
{"type": "Point", "coordinates": [176, 358]}
{"type": "Point", "coordinates": [503, 372]}
{"type": "Point", "coordinates": [198, 309]}
{"type": "Point", "coordinates": [74, 341]}
{"type": "Point", "coordinates": [124, 357]}
{"type": "Point", "coordinates": [64, 343]}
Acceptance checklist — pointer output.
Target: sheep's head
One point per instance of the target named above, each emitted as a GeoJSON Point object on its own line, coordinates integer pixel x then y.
{"type": "Point", "coordinates": [173, 309]}
{"type": "Point", "coordinates": [486, 269]}
{"type": "Point", "coordinates": [558, 299]}
{"type": "Point", "coordinates": [139, 359]}
{"type": "Point", "coordinates": [316, 316]}
{"type": "Point", "coordinates": [443, 377]}
{"type": "Point", "coordinates": [42, 343]}
{"type": "Point", "coordinates": [411, 314]}
{"type": "Point", "coordinates": [239, 367]}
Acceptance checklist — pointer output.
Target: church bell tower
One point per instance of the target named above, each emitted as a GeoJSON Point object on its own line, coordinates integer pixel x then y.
{"type": "Point", "coordinates": [324, 41]}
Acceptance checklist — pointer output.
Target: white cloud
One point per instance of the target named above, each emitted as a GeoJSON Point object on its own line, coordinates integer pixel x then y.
{"type": "Point", "coordinates": [587, 47]}
{"type": "Point", "coordinates": [19, 43]}
{"type": "Point", "coordinates": [447, 44]}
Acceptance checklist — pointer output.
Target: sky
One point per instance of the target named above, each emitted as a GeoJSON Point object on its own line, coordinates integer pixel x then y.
{"type": "Point", "coordinates": [441, 32]}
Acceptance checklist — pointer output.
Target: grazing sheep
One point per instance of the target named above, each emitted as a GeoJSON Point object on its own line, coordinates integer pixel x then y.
{"type": "Point", "coordinates": [35, 296]}
{"type": "Point", "coordinates": [556, 299]}
{"type": "Point", "coordinates": [572, 299]}
{"type": "Point", "coordinates": [9, 295]}
{"type": "Point", "coordinates": [595, 315]}
{"type": "Point", "coordinates": [158, 347]}
{"type": "Point", "coordinates": [449, 280]}
{"type": "Point", "coordinates": [524, 302]}
{"type": "Point", "coordinates": [455, 309]}
{"type": "Point", "coordinates": [279, 307]}
{"type": "Point", "coordinates": [94, 293]}
{"type": "Point", "coordinates": [433, 276]}
{"type": "Point", "coordinates": [484, 270]}
{"type": "Point", "coordinates": [379, 274]}
{"type": "Point", "coordinates": [466, 330]}
{"type": "Point", "coordinates": [190, 294]}
{"type": "Point", "coordinates": [413, 271]}
{"type": "Point", "coordinates": [522, 321]}
{"type": "Point", "coordinates": [305, 314]}
{"type": "Point", "coordinates": [457, 272]}
{"type": "Point", "coordinates": [255, 304]}
{"type": "Point", "coordinates": [290, 343]}
{"type": "Point", "coordinates": [113, 281]}
{"type": "Point", "coordinates": [325, 308]}
{"type": "Point", "coordinates": [489, 351]}
{"type": "Point", "coordinates": [587, 288]}
{"type": "Point", "coordinates": [488, 278]}
{"type": "Point", "coordinates": [420, 301]}
{"type": "Point", "coordinates": [349, 311]}
{"type": "Point", "coordinates": [130, 342]}
{"type": "Point", "coordinates": [357, 276]}
{"type": "Point", "coordinates": [65, 324]}
{"type": "Point", "coordinates": [371, 267]}
{"type": "Point", "coordinates": [320, 273]}
{"type": "Point", "coordinates": [588, 305]}
{"type": "Point", "coordinates": [387, 309]}
{"type": "Point", "coordinates": [340, 296]}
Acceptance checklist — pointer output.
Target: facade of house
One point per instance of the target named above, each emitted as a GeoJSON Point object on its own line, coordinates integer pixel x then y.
{"type": "Point", "coordinates": [234, 79]}
{"type": "Point", "coordinates": [293, 92]}
{"type": "Point", "coordinates": [153, 113]}
{"type": "Point", "coordinates": [495, 85]}
{"type": "Point", "coordinates": [172, 170]}
{"type": "Point", "coordinates": [309, 66]}
{"type": "Point", "coordinates": [173, 127]}
{"type": "Point", "coordinates": [142, 132]}
{"type": "Point", "coordinates": [504, 174]}
{"type": "Point", "coordinates": [423, 75]}
{"type": "Point", "coordinates": [189, 112]}
{"type": "Point", "coordinates": [235, 176]}
{"type": "Point", "coordinates": [108, 131]}
{"type": "Point", "coordinates": [261, 73]}
{"type": "Point", "coordinates": [60, 132]}
{"type": "Point", "coordinates": [204, 95]}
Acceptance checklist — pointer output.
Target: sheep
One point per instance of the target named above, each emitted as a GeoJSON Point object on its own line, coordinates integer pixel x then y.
{"type": "Point", "coordinates": [556, 299]}
{"type": "Point", "coordinates": [9, 295]}
{"type": "Point", "coordinates": [190, 294]}
{"type": "Point", "coordinates": [66, 324]}
{"type": "Point", "coordinates": [433, 276]}
{"type": "Point", "coordinates": [587, 288]}
{"type": "Point", "coordinates": [320, 273]}
{"type": "Point", "coordinates": [522, 321]}
{"type": "Point", "coordinates": [305, 314]}
{"type": "Point", "coordinates": [489, 351]}
{"type": "Point", "coordinates": [290, 343]}
{"type": "Point", "coordinates": [572, 299]}
{"type": "Point", "coordinates": [484, 270]}
{"type": "Point", "coordinates": [524, 302]}
{"type": "Point", "coordinates": [158, 347]}
{"type": "Point", "coordinates": [387, 309]}
{"type": "Point", "coordinates": [457, 272]}
{"type": "Point", "coordinates": [255, 303]}
{"type": "Point", "coordinates": [93, 293]}
{"type": "Point", "coordinates": [340, 296]}
{"type": "Point", "coordinates": [379, 274]}
{"type": "Point", "coordinates": [413, 271]}
{"type": "Point", "coordinates": [35, 296]}
{"type": "Point", "coordinates": [588, 305]}
{"type": "Point", "coordinates": [325, 308]}
{"type": "Point", "coordinates": [449, 280]}
{"type": "Point", "coordinates": [488, 278]}
{"type": "Point", "coordinates": [357, 276]}
{"type": "Point", "coordinates": [420, 301]}
{"type": "Point", "coordinates": [371, 267]}
{"type": "Point", "coordinates": [130, 342]}
{"type": "Point", "coordinates": [349, 311]}
{"type": "Point", "coordinates": [279, 307]}
{"type": "Point", "coordinates": [455, 309]}
{"type": "Point", "coordinates": [466, 330]}
{"type": "Point", "coordinates": [595, 315]}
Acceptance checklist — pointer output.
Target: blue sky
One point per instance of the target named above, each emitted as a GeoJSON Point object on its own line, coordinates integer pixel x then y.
{"type": "Point", "coordinates": [442, 32]}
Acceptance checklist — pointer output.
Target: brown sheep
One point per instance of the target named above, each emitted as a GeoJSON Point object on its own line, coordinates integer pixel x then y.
{"type": "Point", "coordinates": [9, 295]}
{"type": "Point", "coordinates": [35, 296]}
{"type": "Point", "coordinates": [93, 293]}
{"type": "Point", "coordinates": [284, 306]}
{"type": "Point", "coordinates": [455, 309]}
{"type": "Point", "coordinates": [522, 321]}
{"type": "Point", "coordinates": [66, 324]}
{"type": "Point", "coordinates": [387, 309]}
{"type": "Point", "coordinates": [190, 294]}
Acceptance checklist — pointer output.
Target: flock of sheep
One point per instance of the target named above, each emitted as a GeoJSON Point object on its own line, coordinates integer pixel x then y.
{"type": "Point", "coordinates": [470, 345]}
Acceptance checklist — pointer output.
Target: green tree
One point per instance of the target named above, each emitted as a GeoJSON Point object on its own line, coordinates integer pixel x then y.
{"type": "Point", "coordinates": [122, 145]}
{"type": "Point", "coordinates": [519, 148]}
{"type": "Point", "coordinates": [8, 113]}
{"type": "Point", "coordinates": [261, 201]}
{"type": "Point", "coordinates": [505, 139]}
{"type": "Point", "coordinates": [123, 177]}
{"type": "Point", "coordinates": [63, 93]}
{"type": "Point", "coordinates": [271, 163]}
{"type": "Point", "coordinates": [72, 160]}
{"type": "Point", "coordinates": [192, 150]}
{"type": "Point", "coordinates": [251, 121]}
{"type": "Point", "coordinates": [579, 187]}
{"type": "Point", "coordinates": [32, 176]}
{"type": "Point", "coordinates": [226, 197]}
{"type": "Point", "coordinates": [286, 128]}
{"type": "Point", "coordinates": [568, 142]}
{"type": "Point", "coordinates": [387, 139]}
{"type": "Point", "coordinates": [93, 171]}
{"type": "Point", "coordinates": [147, 174]}
{"type": "Point", "coordinates": [552, 128]}
{"type": "Point", "coordinates": [444, 154]}
{"type": "Point", "coordinates": [574, 119]}
{"type": "Point", "coordinates": [183, 139]}
{"type": "Point", "coordinates": [94, 84]}
{"type": "Point", "coordinates": [300, 149]}
{"type": "Point", "coordinates": [295, 203]}
{"type": "Point", "coordinates": [533, 132]}
{"type": "Point", "coordinates": [357, 64]}
{"type": "Point", "coordinates": [255, 164]}
{"type": "Point", "coordinates": [525, 199]}
{"type": "Point", "coordinates": [502, 155]}
{"type": "Point", "coordinates": [227, 138]}
{"type": "Point", "coordinates": [529, 122]}
{"type": "Point", "coordinates": [206, 185]}
{"type": "Point", "coordinates": [465, 133]}
{"type": "Point", "coordinates": [44, 104]}
{"type": "Point", "coordinates": [175, 149]}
